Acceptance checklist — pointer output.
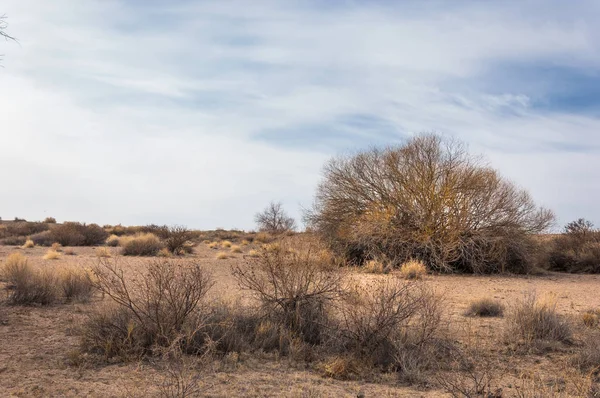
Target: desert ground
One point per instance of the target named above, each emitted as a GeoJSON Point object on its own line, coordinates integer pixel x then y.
{"type": "Point", "coordinates": [39, 355]}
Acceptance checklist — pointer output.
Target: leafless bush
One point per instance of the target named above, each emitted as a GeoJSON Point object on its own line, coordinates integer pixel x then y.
{"type": "Point", "coordinates": [577, 250]}
{"type": "Point", "coordinates": [391, 323]}
{"type": "Point", "coordinates": [427, 200]}
{"type": "Point", "coordinates": [154, 308]}
{"type": "Point", "coordinates": [533, 320]}
{"type": "Point", "coordinates": [177, 239]}
{"type": "Point", "coordinates": [273, 219]}
{"type": "Point", "coordinates": [294, 286]}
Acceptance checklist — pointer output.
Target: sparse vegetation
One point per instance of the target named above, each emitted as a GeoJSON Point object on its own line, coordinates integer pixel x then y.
{"type": "Point", "coordinates": [222, 256]}
{"type": "Point", "coordinates": [28, 244]}
{"type": "Point", "coordinates": [236, 249]}
{"type": "Point", "coordinates": [103, 252]}
{"type": "Point", "coordinates": [51, 255]}
{"type": "Point", "coordinates": [274, 220]}
{"type": "Point", "coordinates": [485, 307]}
{"type": "Point", "coordinates": [413, 269]}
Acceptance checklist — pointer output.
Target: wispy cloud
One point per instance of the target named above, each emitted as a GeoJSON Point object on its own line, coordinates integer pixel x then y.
{"type": "Point", "coordinates": [202, 112]}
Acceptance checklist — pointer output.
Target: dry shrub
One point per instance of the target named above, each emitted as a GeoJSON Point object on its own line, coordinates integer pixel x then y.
{"type": "Point", "coordinates": [213, 245]}
{"type": "Point", "coordinates": [343, 367]}
{"type": "Point", "coordinates": [577, 250]}
{"type": "Point", "coordinates": [222, 256]}
{"type": "Point", "coordinates": [245, 242]}
{"type": "Point", "coordinates": [28, 244]}
{"type": "Point", "coordinates": [77, 234]}
{"type": "Point", "coordinates": [57, 247]}
{"type": "Point", "coordinates": [164, 252]}
{"type": "Point", "coordinates": [26, 284]}
{"type": "Point", "coordinates": [226, 244]}
{"type": "Point", "coordinates": [591, 318]}
{"type": "Point", "coordinates": [14, 241]}
{"type": "Point", "coordinates": [76, 284]}
{"type": "Point", "coordinates": [145, 244]}
{"type": "Point", "coordinates": [532, 320]}
{"type": "Point", "coordinates": [263, 237]}
{"type": "Point", "coordinates": [485, 307]}
{"type": "Point", "coordinates": [42, 238]}
{"type": "Point", "coordinates": [376, 267]}
{"type": "Point", "coordinates": [391, 323]}
{"type": "Point", "coordinates": [103, 252]}
{"type": "Point", "coordinates": [236, 249]}
{"type": "Point", "coordinates": [413, 269]}
{"type": "Point", "coordinates": [253, 253]}
{"type": "Point", "coordinates": [177, 239]}
{"type": "Point", "coordinates": [588, 357]}
{"type": "Point", "coordinates": [155, 308]}
{"type": "Point", "coordinates": [112, 241]}
{"type": "Point", "coordinates": [429, 200]}
{"type": "Point", "coordinates": [50, 220]}
{"type": "Point", "coordinates": [295, 289]}
{"type": "Point", "coordinates": [52, 255]}
{"type": "Point", "coordinates": [70, 251]}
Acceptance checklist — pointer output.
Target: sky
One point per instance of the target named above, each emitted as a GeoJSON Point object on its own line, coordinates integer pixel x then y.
{"type": "Point", "coordinates": [202, 112]}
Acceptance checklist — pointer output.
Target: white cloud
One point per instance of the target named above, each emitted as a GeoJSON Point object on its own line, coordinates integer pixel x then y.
{"type": "Point", "coordinates": [151, 112]}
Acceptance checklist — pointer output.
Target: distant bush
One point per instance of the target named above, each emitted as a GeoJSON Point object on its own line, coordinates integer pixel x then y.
{"type": "Point", "coordinates": [14, 241]}
{"type": "Point", "coordinates": [485, 307]}
{"type": "Point", "coordinates": [50, 220]}
{"type": "Point", "coordinates": [24, 228]}
{"type": "Point", "coordinates": [77, 234]}
{"type": "Point", "coordinates": [43, 238]}
{"type": "Point", "coordinates": [141, 245]}
{"type": "Point", "coordinates": [273, 219]}
{"type": "Point", "coordinates": [577, 249]}
{"type": "Point", "coordinates": [428, 200]}
{"type": "Point", "coordinates": [112, 241]}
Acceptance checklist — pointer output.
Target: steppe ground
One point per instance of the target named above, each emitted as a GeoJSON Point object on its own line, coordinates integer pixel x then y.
{"type": "Point", "coordinates": [38, 345]}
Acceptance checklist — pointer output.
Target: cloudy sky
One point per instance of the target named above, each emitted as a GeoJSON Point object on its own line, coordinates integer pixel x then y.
{"type": "Point", "coordinates": [201, 112]}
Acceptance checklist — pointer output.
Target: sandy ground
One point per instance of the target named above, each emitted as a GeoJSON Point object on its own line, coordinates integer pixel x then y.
{"type": "Point", "coordinates": [37, 344]}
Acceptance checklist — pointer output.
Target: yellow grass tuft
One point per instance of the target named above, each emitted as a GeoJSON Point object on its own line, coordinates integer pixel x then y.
{"type": "Point", "coordinates": [70, 251]}
{"type": "Point", "coordinates": [253, 253]}
{"type": "Point", "coordinates": [112, 241]}
{"type": "Point", "coordinates": [52, 255]}
{"type": "Point", "coordinates": [226, 243]}
{"type": "Point", "coordinates": [236, 249]}
{"type": "Point", "coordinates": [164, 252]}
{"type": "Point", "coordinates": [28, 244]}
{"type": "Point", "coordinates": [591, 318]}
{"type": "Point", "coordinates": [57, 247]}
{"type": "Point", "coordinates": [103, 252]}
{"type": "Point", "coordinates": [222, 256]}
{"type": "Point", "coordinates": [213, 245]}
{"type": "Point", "coordinates": [413, 269]}
{"type": "Point", "coordinates": [375, 267]}
{"type": "Point", "coordinates": [245, 242]}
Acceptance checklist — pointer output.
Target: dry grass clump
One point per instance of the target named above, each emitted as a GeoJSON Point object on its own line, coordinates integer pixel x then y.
{"type": "Point", "coordinates": [57, 247]}
{"type": "Point", "coordinates": [52, 255]}
{"type": "Point", "coordinates": [263, 237]}
{"type": "Point", "coordinates": [253, 253]}
{"type": "Point", "coordinates": [26, 284]}
{"type": "Point", "coordinates": [588, 357]}
{"type": "Point", "coordinates": [69, 251]}
{"type": "Point", "coordinates": [164, 252]}
{"type": "Point", "coordinates": [226, 244]}
{"type": "Point", "coordinates": [222, 256]}
{"type": "Point", "coordinates": [112, 241]}
{"type": "Point", "coordinates": [28, 244]}
{"type": "Point", "coordinates": [213, 245]}
{"type": "Point", "coordinates": [236, 249]}
{"type": "Point", "coordinates": [103, 252]}
{"type": "Point", "coordinates": [145, 244]}
{"type": "Point", "coordinates": [376, 267]}
{"type": "Point", "coordinates": [245, 242]}
{"type": "Point", "coordinates": [485, 307]}
{"type": "Point", "coordinates": [533, 320]}
{"type": "Point", "coordinates": [75, 284]}
{"type": "Point", "coordinates": [159, 308]}
{"type": "Point", "coordinates": [413, 269]}
{"type": "Point", "coordinates": [591, 318]}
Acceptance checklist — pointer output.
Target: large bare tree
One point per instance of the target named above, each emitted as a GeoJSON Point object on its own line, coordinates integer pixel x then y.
{"type": "Point", "coordinates": [426, 199]}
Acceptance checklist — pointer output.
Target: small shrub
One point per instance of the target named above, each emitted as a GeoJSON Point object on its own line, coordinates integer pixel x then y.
{"type": "Point", "coordinates": [226, 244]}
{"type": "Point", "coordinates": [52, 255]}
{"type": "Point", "coordinates": [485, 307]}
{"type": "Point", "coordinates": [533, 320]}
{"type": "Point", "coordinates": [75, 284]}
{"type": "Point", "coordinates": [103, 252]}
{"type": "Point", "coordinates": [375, 267]}
{"type": "Point", "coordinates": [70, 251]}
{"type": "Point", "coordinates": [177, 239]}
{"type": "Point", "coordinates": [57, 247]}
{"type": "Point", "coordinates": [413, 269]}
{"type": "Point", "coordinates": [588, 357]}
{"type": "Point", "coordinates": [245, 242]}
{"type": "Point", "coordinates": [591, 318]}
{"type": "Point", "coordinates": [253, 253]}
{"type": "Point", "coordinates": [141, 245]}
{"type": "Point", "coordinates": [50, 220]}
{"type": "Point", "coordinates": [28, 285]}
{"type": "Point", "coordinates": [164, 252]}
{"type": "Point", "coordinates": [42, 238]}
{"type": "Point", "coordinates": [294, 288]}
{"type": "Point", "coordinates": [112, 241]}
{"type": "Point", "coordinates": [213, 245]}
{"type": "Point", "coordinates": [236, 249]}
{"type": "Point", "coordinates": [222, 256]}
{"type": "Point", "coordinates": [28, 244]}
{"type": "Point", "coordinates": [263, 237]}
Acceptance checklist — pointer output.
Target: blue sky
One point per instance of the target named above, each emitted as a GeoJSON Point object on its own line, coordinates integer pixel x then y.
{"type": "Point", "coordinates": [200, 113]}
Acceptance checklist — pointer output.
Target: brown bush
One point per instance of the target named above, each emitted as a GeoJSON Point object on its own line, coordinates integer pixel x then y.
{"type": "Point", "coordinates": [177, 239]}
{"type": "Point", "coordinates": [273, 219]}
{"type": "Point", "coordinates": [50, 220]}
{"type": "Point", "coordinates": [485, 307]}
{"type": "Point", "coordinates": [43, 238]}
{"type": "Point", "coordinates": [295, 288]}
{"type": "Point", "coordinates": [428, 200]}
{"type": "Point", "coordinates": [28, 285]}
{"type": "Point", "coordinates": [77, 234]}
{"type": "Point", "coordinates": [577, 250]}
{"type": "Point", "coordinates": [155, 308]}
{"type": "Point", "coordinates": [532, 320]}
{"type": "Point", "coordinates": [141, 245]}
